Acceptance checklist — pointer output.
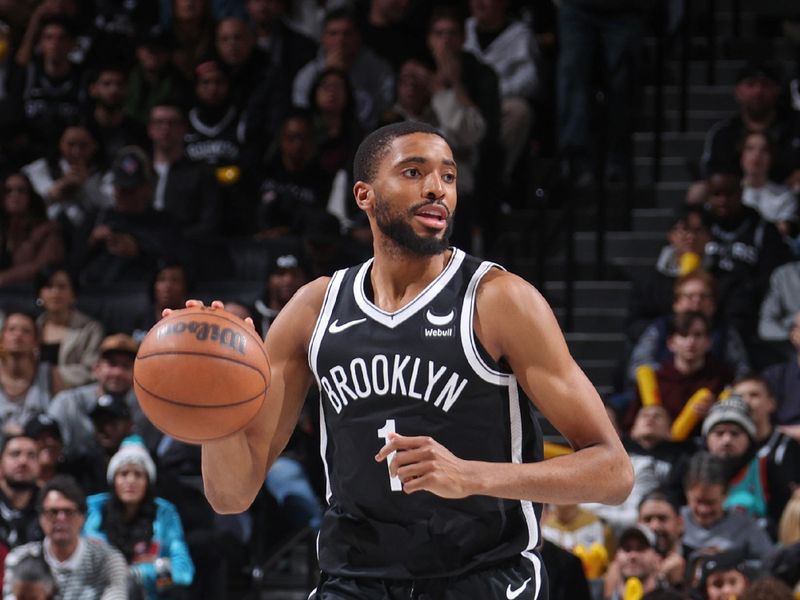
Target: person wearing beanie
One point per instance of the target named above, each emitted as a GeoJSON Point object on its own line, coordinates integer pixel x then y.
{"type": "Point", "coordinates": [730, 433]}
{"type": "Point", "coordinates": [145, 528]}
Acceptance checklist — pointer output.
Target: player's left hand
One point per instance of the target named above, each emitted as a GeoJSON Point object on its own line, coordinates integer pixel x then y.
{"type": "Point", "coordinates": [423, 464]}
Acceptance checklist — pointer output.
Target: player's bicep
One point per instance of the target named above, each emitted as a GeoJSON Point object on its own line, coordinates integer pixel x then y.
{"type": "Point", "coordinates": [528, 337]}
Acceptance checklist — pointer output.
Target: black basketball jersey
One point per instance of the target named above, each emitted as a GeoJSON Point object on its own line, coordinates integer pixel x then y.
{"type": "Point", "coordinates": [417, 371]}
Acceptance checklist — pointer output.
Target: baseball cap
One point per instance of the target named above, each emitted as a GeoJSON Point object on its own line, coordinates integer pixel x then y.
{"type": "Point", "coordinates": [115, 407]}
{"type": "Point", "coordinates": [731, 410]}
{"type": "Point", "coordinates": [119, 342]}
{"type": "Point", "coordinates": [131, 168]}
{"type": "Point", "coordinates": [758, 70]}
{"type": "Point", "coordinates": [640, 532]}
{"type": "Point", "coordinates": [734, 559]}
{"type": "Point", "coordinates": [41, 424]}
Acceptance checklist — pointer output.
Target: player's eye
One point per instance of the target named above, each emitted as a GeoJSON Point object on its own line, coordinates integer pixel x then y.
{"type": "Point", "coordinates": [449, 177]}
{"type": "Point", "coordinates": [411, 172]}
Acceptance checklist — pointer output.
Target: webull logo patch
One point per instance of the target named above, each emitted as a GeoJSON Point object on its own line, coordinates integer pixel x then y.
{"type": "Point", "coordinates": [206, 332]}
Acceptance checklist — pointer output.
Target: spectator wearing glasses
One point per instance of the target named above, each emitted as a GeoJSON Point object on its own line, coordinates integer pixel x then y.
{"type": "Point", "coordinates": [84, 569]}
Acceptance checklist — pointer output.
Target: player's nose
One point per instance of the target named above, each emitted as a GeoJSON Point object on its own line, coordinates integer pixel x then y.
{"type": "Point", "coordinates": [434, 187]}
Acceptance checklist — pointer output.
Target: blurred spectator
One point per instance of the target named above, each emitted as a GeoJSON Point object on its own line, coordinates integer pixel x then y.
{"type": "Point", "coordinates": [462, 75]}
{"type": "Point", "coordinates": [293, 182]}
{"type": "Point", "coordinates": [325, 247]}
{"type": "Point", "coordinates": [33, 580]}
{"type": "Point", "coordinates": [127, 240]}
{"type": "Point", "coordinates": [707, 523]}
{"type": "Point", "coordinates": [193, 31]}
{"type": "Point", "coordinates": [74, 409]}
{"type": "Point", "coordinates": [244, 63]}
{"type": "Point", "coordinates": [509, 47]}
{"type": "Point", "coordinates": [690, 368]}
{"type": "Point", "coordinates": [113, 422]}
{"type": "Point", "coordinates": [582, 26]}
{"type": "Point", "coordinates": [756, 93]}
{"type": "Point", "coordinates": [44, 430]}
{"type": "Point", "coordinates": [51, 87]}
{"type": "Point", "coordinates": [775, 203]}
{"type": "Point", "coordinates": [636, 556]}
{"type": "Point", "coordinates": [145, 528]}
{"type": "Point", "coordinates": [83, 568]}
{"type": "Point", "coordinates": [185, 189]}
{"type": "Point", "coordinates": [784, 382]}
{"type": "Point", "coordinates": [757, 483]}
{"type": "Point", "coordinates": [69, 339]}
{"type": "Point", "coordinates": [288, 49]}
{"type": "Point", "coordinates": [153, 79]}
{"type": "Point", "coordinates": [569, 525]}
{"type": "Point", "coordinates": [336, 127]}
{"type": "Point", "coordinates": [789, 526]}
{"type": "Point", "coordinates": [781, 303]}
{"type": "Point", "coordinates": [566, 579]}
{"type": "Point", "coordinates": [112, 127]}
{"type": "Point", "coordinates": [19, 470]}
{"type": "Point", "coordinates": [659, 513]}
{"type": "Point", "coordinates": [372, 77]}
{"type": "Point", "coordinates": [286, 276]}
{"type": "Point", "coordinates": [768, 588]}
{"type": "Point", "coordinates": [29, 240]}
{"type": "Point", "coordinates": [26, 384]}
{"type": "Point", "coordinates": [116, 25]}
{"type": "Point", "coordinates": [652, 295]}
{"type": "Point", "coordinates": [71, 182]}
{"type": "Point", "coordinates": [781, 451]}
{"type": "Point", "coordinates": [387, 31]}
{"type": "Point", "coordinates": [744, 250]}
{"type": "Point", "coordinates": [653, 455]}
{"type": "Point", "coordinates": [726, 575]}
{"type": "Point", "coordinates": [171, 288]}
{"type": "Point", "coordinates": [422, 96]}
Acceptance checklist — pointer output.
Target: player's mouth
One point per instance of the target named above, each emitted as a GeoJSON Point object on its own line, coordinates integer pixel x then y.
{"type": "Point", "coordinates": [432, 215]}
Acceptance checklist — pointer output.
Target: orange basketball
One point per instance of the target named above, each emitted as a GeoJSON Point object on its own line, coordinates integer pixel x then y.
{"type": "Point", "coordinates": [201, 374]}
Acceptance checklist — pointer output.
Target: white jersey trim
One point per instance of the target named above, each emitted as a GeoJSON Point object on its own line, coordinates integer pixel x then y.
{"type": "Point", "coordinates": [468, 341]}
{"type": "Point", "coordinates": [537, 568]}
{"type": "Point", "coordinates": [516, 457]}
{"type": "Point", "coordinates": [331, 293]}
{"type": "Point", "coordinates": [398, 317]}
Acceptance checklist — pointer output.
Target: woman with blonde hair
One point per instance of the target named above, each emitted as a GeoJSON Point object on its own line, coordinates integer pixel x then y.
{"type": "Point", "coordinates": [789, 526]}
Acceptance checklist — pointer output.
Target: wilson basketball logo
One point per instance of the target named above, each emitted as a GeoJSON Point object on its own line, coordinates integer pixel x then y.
{"type": "Point", "coordinates": [206, 332]}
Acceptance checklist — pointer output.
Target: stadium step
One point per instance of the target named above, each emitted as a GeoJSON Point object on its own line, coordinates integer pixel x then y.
{"type": "Point", "coordinates": [673, 143]}
{"type": "Point", "coordinates": [595, 320]}
{"type": "Point", "coordinates": [590, 294]}
{"type": "Point", "coordinates": [596, 346]}
{"type": "Point", "coordinates": [652, 219]}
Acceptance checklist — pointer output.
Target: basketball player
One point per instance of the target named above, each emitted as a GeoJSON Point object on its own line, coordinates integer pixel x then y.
{"type": "Point", "coordinates": [426, 359]}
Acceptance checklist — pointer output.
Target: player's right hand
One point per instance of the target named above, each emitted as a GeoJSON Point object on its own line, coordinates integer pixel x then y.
{"type": "Point", "coordinates": [215, 304]}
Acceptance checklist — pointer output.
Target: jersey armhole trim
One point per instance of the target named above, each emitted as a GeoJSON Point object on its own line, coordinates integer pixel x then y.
{"type": "Point", "coordinates": [331, 293]}
{"type": "Point", "coordinates": [468, 341]}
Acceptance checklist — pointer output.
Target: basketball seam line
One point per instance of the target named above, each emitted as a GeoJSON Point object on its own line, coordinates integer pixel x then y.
{"type": "Point", "coordinates": [206, 354]}
{"type": "Point", "coordinates": [259, 343]}
{"type": "Point", "coordinates": [186, 404]}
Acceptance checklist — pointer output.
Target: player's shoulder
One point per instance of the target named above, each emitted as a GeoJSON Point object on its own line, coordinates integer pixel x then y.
{"type": "Point", "coordinates": [498, 285]}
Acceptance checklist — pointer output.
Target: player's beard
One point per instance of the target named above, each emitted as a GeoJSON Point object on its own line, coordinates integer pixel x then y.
{"type": "Point", "coordinates": [397, 228]}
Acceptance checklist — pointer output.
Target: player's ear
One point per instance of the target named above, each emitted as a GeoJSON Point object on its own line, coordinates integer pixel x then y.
{"type": "Point", "coordinates": [363, 195]}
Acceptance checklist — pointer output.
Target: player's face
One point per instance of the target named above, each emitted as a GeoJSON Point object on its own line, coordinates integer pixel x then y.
{"type": "Point", "coordinates": [130, 484]}
{"type": "Point", "coordinates": [726, 585]}
{"type": "Point", "coordinates": [20, 463]}
{"type": "Point", "coordinates": [661, 518]}
{"type": "Point", "coordinates": [415, 194]}
{"type": "Point", "coordinates": [705, 503]}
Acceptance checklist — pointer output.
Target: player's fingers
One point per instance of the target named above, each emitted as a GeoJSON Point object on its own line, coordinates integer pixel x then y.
{"type": "Point", "coordinates": [249, 321]}
{"type": "Point", "coordinates": [412, 471]}
{"type": "Point", "coordinates": [217, 304]}
{"type": "Point", "coordinates": [166, 312]}
{"type": "Point", "coordinates": [194, 303]}
{"type": "Point", "coordinates": [408, 457]}
{"type": "Point", "coordinates": [418, 484]}
{"type": "Point", "coordinates": [401, 442]}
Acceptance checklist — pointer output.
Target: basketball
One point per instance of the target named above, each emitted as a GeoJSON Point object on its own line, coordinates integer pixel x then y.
{"type": "Point", "coordinates": [201, 374]}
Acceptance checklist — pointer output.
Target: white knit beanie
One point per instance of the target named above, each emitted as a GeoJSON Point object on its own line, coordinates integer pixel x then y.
{"type": "Point", "coordinates": [131, 452]}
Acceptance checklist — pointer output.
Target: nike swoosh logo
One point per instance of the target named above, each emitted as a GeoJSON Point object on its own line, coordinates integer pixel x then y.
{"type": "Point", "coordinates": [336, 328]}
{"type": "Point", "coordinates": [511, 594]}
{"type": "Point", "coordinates": [439, 321]}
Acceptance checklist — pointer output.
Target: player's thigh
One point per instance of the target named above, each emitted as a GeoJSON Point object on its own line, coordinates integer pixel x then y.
{"type": "Point", "coordinates": [344, 588]}
{"type": "Point", "coordinates": [525, 581]}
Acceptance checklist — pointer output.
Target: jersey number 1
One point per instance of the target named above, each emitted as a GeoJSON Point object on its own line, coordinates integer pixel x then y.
{"type": "Point", "coordinates": [383, 433]}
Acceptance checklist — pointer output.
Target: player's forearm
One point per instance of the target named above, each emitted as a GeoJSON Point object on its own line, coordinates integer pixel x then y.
{"type": "Point", "coordinates": [231, 477]}
{"type": "Point", "coordinates": [595, 474]}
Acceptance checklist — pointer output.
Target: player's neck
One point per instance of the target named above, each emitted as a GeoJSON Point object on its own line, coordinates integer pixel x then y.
{"type": "Point", "coordinates": [399, 278]}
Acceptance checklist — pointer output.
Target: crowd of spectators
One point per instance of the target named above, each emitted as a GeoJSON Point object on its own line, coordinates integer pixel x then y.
{"type": "Point", "coordinates": [151, 152]}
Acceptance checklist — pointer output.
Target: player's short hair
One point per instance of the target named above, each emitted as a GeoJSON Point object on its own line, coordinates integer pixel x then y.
{"type": "Point", "coordinates": [375, 146]}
